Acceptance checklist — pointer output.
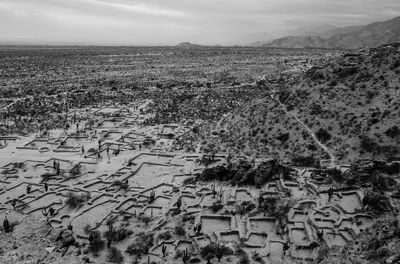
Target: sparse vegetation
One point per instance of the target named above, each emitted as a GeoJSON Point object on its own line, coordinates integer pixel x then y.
{"type": "Point", "coordinates": [115, 255]}
{"type": "Point", "coordinates": [95, 242]}
{"type": "Point", "coordinates": [166, 235]}
{"type": "Point", "coordinates": [180, 230]}
{"type": "Point", "coordinates": [212, 250]}
{"type": "Point", "coordinates": [118, 234]}
{"type": "Point", "coordinates": [75, 200]}
{"type": "Point", "coordinates": [141, 244]}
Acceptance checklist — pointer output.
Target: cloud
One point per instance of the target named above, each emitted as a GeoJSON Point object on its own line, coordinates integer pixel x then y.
{"type": "Point", "coordinates": [142, 8]}
{"type": "Point", "coordinates": [172, 21]}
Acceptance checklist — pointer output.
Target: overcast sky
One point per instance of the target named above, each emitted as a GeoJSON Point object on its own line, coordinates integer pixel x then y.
{"type": "Point", "coordinates": [168, 22]}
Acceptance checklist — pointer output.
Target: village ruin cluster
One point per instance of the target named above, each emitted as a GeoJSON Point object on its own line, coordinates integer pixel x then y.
{"type": "Point", "coordinates": [152, 172]}
{"type": "Point", "coordinates": [119, 175]}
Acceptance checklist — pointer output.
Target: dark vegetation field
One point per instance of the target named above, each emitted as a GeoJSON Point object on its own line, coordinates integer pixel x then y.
{"type": "Point", "coordinates": [41, 83]}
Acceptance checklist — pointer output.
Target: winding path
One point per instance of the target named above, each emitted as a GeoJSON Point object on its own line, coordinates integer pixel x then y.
{"type": "Point", "coordinates": [312, 134]}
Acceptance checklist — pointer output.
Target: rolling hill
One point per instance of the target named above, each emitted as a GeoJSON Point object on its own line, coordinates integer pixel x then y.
{"type": "Point", "coordinates": [350, 106]}
{"type": "Point", "coordinates": [370, 35]}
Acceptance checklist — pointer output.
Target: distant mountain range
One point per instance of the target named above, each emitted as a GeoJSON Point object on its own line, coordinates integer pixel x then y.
{"type": "Point", "coordinates": [370, 35]}
{"type": "Point", "coordinates": [189, 45]}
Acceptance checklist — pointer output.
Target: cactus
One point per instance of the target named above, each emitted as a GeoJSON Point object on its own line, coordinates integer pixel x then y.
{"type": "Point", "coordinates": [221, 193]}
{"type": "Point", "coordinates": [214, 192]}
{"type": "Point", "coordinates": [198, 229]}
{"type": "Point", "coordinates": [164, 250]}
{"type": "Point", "coordinates": [185, 256]}
{"type": "Point", "coordinates": [220, 253]}
{"type": "Point", "coordinates": [179, 203]}
{"type": "Point", "coordinates": [152, 196]}
{"type": "Point", "coordinates": [110, 225]}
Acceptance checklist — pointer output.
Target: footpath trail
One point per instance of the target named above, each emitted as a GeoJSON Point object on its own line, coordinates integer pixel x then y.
{"type": "Point", "coordinates": [310, 132]}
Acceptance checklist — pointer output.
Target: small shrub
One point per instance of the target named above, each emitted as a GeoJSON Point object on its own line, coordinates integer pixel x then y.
{"type": "Point", "coordinates": [256, 257]}
{"type": "Point", "coordinates": [121, 185]}
{"type": "Point", "coordinates": [11, 228]}
{"type": "Point", "coordinates": [91, 150]}
{"type": "Point", "coordinates": [332, 83]}
{"type": "Point", "coordinates": [141, 245]}
{"type": "Point", "coordinates": [393, 132]}
{"type": "Point", "coordinates": [75, 171]}
{"type": "Point", "coordinates": [195, 260]}
{"type": "Point", "coordinates": [87, 229]}
{"type": "Point", "coordinates": [180, 230]}
{"type": "Point", "coordinates": [243, 257]}
{"type": "Point", "coordinates": [165, 235]}
{"type": "Point", "coordinates": [188, 217]}
{"type": "Point", "coordinates": [95, 242]}
{"type": "Point", "coordinates": [118, 235]}
{"type": "Point", "coordinates": [247, 206]}
{"type": "Point", "coordinates": [216, 206]}
{"type": "Point", "coordinates": [210, 251]}
{"type": "Point", "coordinates": [75, 200]}
{"type": "Point", "coordinates": [190, 180]}
{"type": "Point", "coordinates": [145, 219]}
{"type": "Point", "coordinates": [336, 174]}
{"type": "Point", "coordinates": [115, 255]}
{"type": "Point", "coordinates": [323, 135]}
{"type": "Point", "coordinates": [45, 176]}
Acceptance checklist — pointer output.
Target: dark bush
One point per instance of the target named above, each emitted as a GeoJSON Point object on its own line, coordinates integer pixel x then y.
{"type": "Point", "coordinates": [95, 242]}
{"type": "Point", "coordinates": [190, 180]}
{"type": "Point", "coordinates": [393, 132]}
{"type": "Point", "coordinates": [118, 235]}
{"type": "Point", "coordinates": [47, 176]}
{"type": "Point", "coordinates": [210, 251]}
{"type": "Point", "coordinates": [323, 135]}
{"type": "Point", "coordinates": [216, 173]}
{"type": "Point", "coordinates": [244, 173]}
{"type": "Point", "coordinates": [121, 185]}
{"type": "Point", "coordinates": [165, 235]}
{"type": "Point", "coordinates": [87, 229]}
{"type": "Point", "coordinates": [336, 174]}
{"type": "Point", "coordinates": [283, 137]}
{"type": "Point", "coordinates": [368, 144]}
{"type": "Point", "coordinates": [141, 245]}
{"type": "Point", "coordinates": [188, 217]}
{"type": "Point", "coordinates": [267, 204]}
{"type": "Point", "coordinates": [307, 161]}
{"type": "Point", "coordinates": [371, 94]}
{"type": "Point", "coordinates": [332, 83]}
{"type": "Point", "coordinates": [75, 200]}
{"type": "Point", "coordinates": [180, 230]}
{"type": "Point", "coordinates": [145, 219]}
{"type": "Point", "coordinates": [216, 206]}
{"type": "Point", "coordinates": [195, 260]}
{"type": "Point", "coordinates": [243, 257]}
{"type": "Point", "coordinates": [246, 207]}
{"type": "Point", "coordinates": [75, 171]}
{"type": "Point", "coordinates": [115, 255]}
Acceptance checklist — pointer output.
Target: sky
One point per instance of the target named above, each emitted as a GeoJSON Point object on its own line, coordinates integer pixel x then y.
{"type": "Point", "coordinates": [169, 22]}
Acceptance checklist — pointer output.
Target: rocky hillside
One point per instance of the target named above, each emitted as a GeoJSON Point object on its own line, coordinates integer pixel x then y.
{"type": "Point", "coordinates": [380, 244]}
{"type": "Point", "coordinates": [350, 106]}
{"type": "Point", "coordinates": [34, 241]}
{"type": "Point", "coordinates": [299, 42]}
{"type": "Point", "coordinates": [371, 35]}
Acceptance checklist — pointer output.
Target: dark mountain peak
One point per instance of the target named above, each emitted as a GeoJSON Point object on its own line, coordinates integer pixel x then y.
{"type": "Point", "coordinates": [371, 35]}
{"type": "Point", "coordinates": [187, 45]}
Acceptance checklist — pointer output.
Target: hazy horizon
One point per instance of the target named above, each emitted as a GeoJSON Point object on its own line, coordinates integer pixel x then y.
{"type": "Point", "coordinates": [158, 22]}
